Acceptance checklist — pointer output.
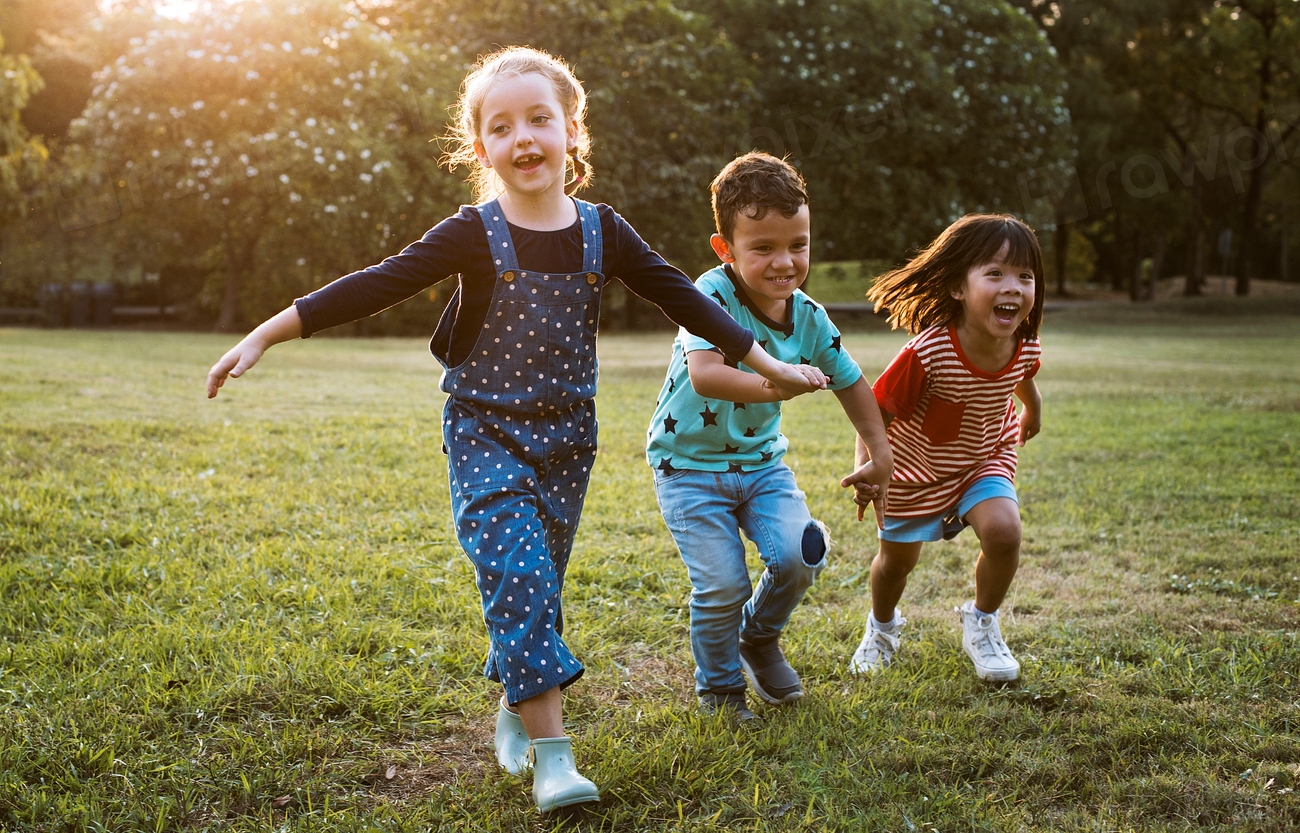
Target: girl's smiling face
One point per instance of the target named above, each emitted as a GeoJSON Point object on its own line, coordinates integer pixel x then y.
{"type": "Point", "coordinates": [996, 297]}
{"type": "Point", "coordinates": [524, 135]}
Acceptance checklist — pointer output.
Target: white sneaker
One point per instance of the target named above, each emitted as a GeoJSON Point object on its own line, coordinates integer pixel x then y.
{"type": "Point", "coordinates": [877, 648]}
{"type": "Point", "coordinates": [981, 639]}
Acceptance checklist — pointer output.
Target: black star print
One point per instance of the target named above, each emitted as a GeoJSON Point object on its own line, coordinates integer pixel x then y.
{"type": "Point", "coordinates": [666, 466]}
{"type": "Point", "coordinates": [749, 432]}
{"type": "Point", "coordinates": [735, 468]}
{"type": "Point", "coordinates": [670, 424]}
{"type": "Point", "coordinates": [830, 380]}
{"type": "Point", "coordinates": [765, 455]}
{"type": "Point", "coordinates": [731, 449]}
{"type": "Point", "coordinates": [710, 417]}
{"type": "Point", "coordinates": [672, 385]}
{"type": "Point", "coordinates": [811, 304]}
{"type": "Point", "coordinates": [804, 360]}
{"type": "Point", "coordinates": [740, 406]}
{"type": "Point", "coordinates": [762, 342]}
{"type": "Point", "coordinates": [835, 344]}
{"type": "Point", "coordinates": [716, 294]}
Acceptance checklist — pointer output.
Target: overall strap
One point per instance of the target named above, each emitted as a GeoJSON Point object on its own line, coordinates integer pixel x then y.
{"type": "Point", "coordinates": [498, 236]}
{"type": "Point", "coordinates": [592, 253]}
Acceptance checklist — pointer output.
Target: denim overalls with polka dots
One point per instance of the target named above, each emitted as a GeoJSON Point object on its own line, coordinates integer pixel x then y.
{"type": "Point", "coordinates": [519, 427]}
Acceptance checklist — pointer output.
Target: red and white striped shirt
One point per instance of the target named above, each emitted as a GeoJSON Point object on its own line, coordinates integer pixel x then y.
{"type": "Point", "coordinates": [953, 423]}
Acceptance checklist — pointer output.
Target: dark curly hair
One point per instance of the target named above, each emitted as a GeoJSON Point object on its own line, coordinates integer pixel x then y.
{"type": "Point", "coordinates": [919, 294]}
{"type": "Point", "coordinates": [752, 184]}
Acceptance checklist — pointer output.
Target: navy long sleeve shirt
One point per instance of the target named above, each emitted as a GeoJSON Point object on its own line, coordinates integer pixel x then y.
{"type": "Point", "coordinates": [458, 246]}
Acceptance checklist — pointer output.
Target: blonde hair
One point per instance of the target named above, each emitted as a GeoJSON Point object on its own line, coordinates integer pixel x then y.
{"type": "Point", "coordinates": [515, 60]}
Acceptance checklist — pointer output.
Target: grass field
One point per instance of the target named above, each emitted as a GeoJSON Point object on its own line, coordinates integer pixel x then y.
{"type": "Point", "coordinates": [251, 613]}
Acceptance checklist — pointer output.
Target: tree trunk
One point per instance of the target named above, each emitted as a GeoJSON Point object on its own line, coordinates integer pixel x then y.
{"type": "Point", "coordinates": [1285, 276]}
{"type": "Point", "coordinates": [1134, 270]}
{"type": "Point", "coordinates": [1267, 19]}
{"type": "Point", "coordinates": [1157, 266]}
{"type": "Point", "coordinates": [1062, 246]}
{"type": "Point", "coordinates": [1195, 261]}
{"type": "Point", "coordinates": [1120, 275]}
{"type": "Point", "coordinates": [239, 262]}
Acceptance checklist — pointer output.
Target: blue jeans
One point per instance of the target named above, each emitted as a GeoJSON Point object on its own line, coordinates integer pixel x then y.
{"type": "Point", "coordinates": [706, 512]}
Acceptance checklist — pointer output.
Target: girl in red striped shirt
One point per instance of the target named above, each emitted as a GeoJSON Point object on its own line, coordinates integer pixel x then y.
{"type": "Point", "coordinates": [973, 301]}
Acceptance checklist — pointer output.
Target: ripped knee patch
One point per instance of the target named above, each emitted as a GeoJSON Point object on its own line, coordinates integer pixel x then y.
{"type": "Point", "coordinates": [816, 543]}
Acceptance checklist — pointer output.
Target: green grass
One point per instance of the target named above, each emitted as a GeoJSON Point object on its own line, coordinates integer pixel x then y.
{"type": "Point", "coordinates": [251, 613]}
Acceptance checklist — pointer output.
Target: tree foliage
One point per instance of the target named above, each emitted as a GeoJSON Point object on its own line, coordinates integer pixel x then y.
{"type": "Point", "coordinates": [22, 157]}
{"type": "Point", "coordinates": [274, 144]}
{"type": "Point", "coordinates": [269, 147]}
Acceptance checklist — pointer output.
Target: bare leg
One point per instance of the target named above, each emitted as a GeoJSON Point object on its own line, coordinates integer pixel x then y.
{"type": "Point", "coordinates": [996, 522]}
{"type": "Point", "coordinates": [543, 715]}
{"type": "Point", "coordinates": [889, 571]}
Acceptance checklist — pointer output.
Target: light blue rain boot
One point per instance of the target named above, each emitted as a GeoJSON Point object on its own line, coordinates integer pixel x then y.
{"type": "Point", "coordinates": [556, 782]}
{"type": "Point", "coordinates": [511, 741]}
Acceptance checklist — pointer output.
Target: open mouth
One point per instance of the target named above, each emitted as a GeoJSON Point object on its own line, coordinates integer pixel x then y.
{"type": "Point", "coordinates": [782, 280]}
{"type": "Point", "coordinates": [1006, 313]}
{"type": "Point", "coordinates": [529, 162]}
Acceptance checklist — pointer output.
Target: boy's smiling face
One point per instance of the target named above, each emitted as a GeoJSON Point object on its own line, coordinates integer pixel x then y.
{"type": "Point", "coordinates": [769, 255]}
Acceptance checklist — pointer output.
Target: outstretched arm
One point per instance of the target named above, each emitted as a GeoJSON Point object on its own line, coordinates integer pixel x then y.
{"type": "Point", "coordinates": [282, 326]}
{"type": "Point", "coordinates": [874, 459]}
{"type": "Point", "coordinates": [1031, 416]}
{"type": "Point", "coordinates": [712, 378]}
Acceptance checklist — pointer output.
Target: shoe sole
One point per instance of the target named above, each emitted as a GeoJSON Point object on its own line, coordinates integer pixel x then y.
{"type": "Point", "coordinates": [797, 694]}
{"type": "Point", "coordinates": [570, 802]}
{"type": "Point", "coordinates": [993, 676]}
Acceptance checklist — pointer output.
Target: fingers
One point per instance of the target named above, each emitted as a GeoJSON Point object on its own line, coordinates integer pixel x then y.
{"type": "Point", "coordinates": [814, 376]}
{"type": "Point", "coordinates": [232, 365]}
{"type": "Point", "coordinates": [217, 377]}
{"type": "Point", "coordinates": [879, 506]}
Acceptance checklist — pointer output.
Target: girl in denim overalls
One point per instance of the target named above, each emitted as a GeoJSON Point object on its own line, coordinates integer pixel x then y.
{"type": "Point", "coordinates": [518, 344]}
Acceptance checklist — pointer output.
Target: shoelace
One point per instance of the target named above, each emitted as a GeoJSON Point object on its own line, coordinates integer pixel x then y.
{"type": "Point", "coordinates": [990, 640]}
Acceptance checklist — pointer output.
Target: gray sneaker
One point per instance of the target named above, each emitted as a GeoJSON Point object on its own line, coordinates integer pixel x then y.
{"type": "Point", "coordinates": [727, 704]}
{"type": "Point", "coordinates": [877, 649]}
{"type": "Point", "coordinates": [767, 671]}
{"type": "Point", "coordinates": [981, 639]}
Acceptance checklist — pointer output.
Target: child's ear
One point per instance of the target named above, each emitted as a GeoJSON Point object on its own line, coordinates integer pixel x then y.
{"type": "Point", "coordinates": [572, 131]}
{"type": "Point", "coordinates": [722, 248]}
{"type": "Point", "coordinates": [958, 292]}
{"type": "Point", "coordinates": [481, 153]}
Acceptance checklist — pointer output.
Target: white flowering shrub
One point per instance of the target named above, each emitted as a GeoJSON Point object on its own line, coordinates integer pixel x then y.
{"type": "Point", "coordinates": [279, 144]}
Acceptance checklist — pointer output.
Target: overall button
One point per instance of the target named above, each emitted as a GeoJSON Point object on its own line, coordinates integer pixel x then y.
{"type": "Point", "coordinates": [592, 277]}
{"type": "Point", "coordinates": [508, 276]}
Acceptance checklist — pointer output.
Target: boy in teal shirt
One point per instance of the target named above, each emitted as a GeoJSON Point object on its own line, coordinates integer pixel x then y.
{"type": "Point", "coordinates": [716, 446]}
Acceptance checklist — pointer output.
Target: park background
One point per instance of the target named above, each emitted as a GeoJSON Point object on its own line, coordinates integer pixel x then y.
{"type": "Point", "coordinates": [203, 163]}
{"type": "Point", "coordinates": [252, 614]}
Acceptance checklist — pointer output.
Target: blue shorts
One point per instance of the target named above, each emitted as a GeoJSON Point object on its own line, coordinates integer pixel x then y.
{"type": "Point", "coordinates": [946, 525]}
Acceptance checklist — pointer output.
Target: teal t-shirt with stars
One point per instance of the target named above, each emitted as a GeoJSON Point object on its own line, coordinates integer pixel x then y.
{"type": "Point", "coordinates": [691, 432]}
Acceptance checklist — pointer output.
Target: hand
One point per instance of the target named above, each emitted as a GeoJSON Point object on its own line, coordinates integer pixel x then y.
{"type": "Point", "coordinates": [237, 360]}
{"type": "Point", "coordinates": [795, 380]}
{"type": "Point", "coordinates": [1031, 422]}
{"type": "Point", "coordinates": [870, 486]}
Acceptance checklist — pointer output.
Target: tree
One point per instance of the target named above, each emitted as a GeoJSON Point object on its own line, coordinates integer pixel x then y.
{"type": "Point", "coordinates": [902, 116]}
{"type": "Point", "coordinates": [53, 34]}
{"type": "Point", "coordinates": [22, 157]}
{"type": "Point", "coordinates": [269, 143]}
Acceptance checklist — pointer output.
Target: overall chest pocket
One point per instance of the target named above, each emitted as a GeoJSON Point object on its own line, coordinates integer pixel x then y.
{"type": "Point", "coordinates": [942, 423]}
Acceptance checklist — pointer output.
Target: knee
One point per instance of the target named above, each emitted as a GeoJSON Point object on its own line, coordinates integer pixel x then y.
{"type": "Point", "coordinates": [801, 570]}
{"type": "Point", "coordinates": [814, 544]}
{"type": "Point", "coordinates": [893, 566]}
{"type": "Point", "coordinates": [1001, 538]}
